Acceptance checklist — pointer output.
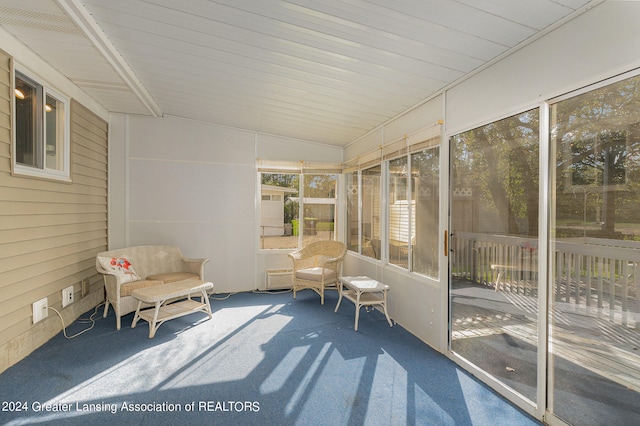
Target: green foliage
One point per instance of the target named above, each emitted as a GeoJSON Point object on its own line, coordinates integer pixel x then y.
{"type": "Point", "coordinates": [281, 179]}
{"type": "Point", "coordinates": [320, 186]}
{"type": "Point", "coordinates": [596, 137]}
{"type": "Point", "coordinates": [290, 211]}
{"type": "Point", "coordinates": [500, 162]}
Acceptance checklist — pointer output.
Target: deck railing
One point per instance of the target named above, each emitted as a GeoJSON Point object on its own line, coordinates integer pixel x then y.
{"type": "Point", "coordinates": [598, 275]}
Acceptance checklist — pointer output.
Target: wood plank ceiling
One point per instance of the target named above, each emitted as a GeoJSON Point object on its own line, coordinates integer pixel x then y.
{"type": "Point", "coordinates": [320, 70]}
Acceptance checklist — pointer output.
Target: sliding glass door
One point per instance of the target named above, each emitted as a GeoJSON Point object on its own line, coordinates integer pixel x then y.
{"type": "Point", "coordinates": [494, 249]}
{"type": "Point", "coordinates": [594, 342]}
{"type": "Point", "coordinates": [564, 343]}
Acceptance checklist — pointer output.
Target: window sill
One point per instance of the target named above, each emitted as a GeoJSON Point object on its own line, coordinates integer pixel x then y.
{"type": "Point", "coordinates": [22, 171]}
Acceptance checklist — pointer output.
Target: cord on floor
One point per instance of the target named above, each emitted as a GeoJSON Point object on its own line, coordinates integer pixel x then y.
{"type": "Point", "coordinates": [81, 320]}
{"type": "Point", "coordinates": [253, 291]}
{"type": "Point", "coordinates": [222, 298]}
{"type": "Point", "coordinates": [284, 290]}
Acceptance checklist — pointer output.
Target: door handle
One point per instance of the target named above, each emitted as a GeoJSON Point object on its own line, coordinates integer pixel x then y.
{"type": "Point", "coordinates": [446, 243]}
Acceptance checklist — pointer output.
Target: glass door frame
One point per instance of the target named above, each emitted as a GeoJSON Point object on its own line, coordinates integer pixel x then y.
{"type": "Point", "coordinates": [549, 390]}
{"type": "Point", "coordinates": [538, 408]}
{"type": "Point", "coordinates": [542, 407]}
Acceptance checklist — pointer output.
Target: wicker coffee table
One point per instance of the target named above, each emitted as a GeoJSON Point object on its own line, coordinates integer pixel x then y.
{"type": "Point", "coordinates": [163, 296]}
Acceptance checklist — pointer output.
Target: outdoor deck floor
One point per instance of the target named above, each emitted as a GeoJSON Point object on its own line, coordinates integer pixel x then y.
{"type": "Point", "coordinates": [607, 345]}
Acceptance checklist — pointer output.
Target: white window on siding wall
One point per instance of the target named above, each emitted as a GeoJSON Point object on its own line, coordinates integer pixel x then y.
{"type": "Point", "coordinates": [41, 130]}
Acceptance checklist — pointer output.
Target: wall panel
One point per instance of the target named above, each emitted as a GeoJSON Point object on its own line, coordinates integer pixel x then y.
{"type": "Point", "coordinates": [420, 117]}
{"type": "Point", "coordinates": [287, 149]}
{"type": "Point", "coordinates": [592, 47]}
{"type": "Point", "coordinates": [369, 142]}
{"type": "Point", "coordinates": [425, 115]}
{"type": "Point", "coordinates": [191, 184]}
{"type": "Point", "coordinates": [178, 139]}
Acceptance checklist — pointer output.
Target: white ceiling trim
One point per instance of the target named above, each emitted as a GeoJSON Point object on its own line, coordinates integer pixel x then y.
{"type": "Point", "coordinates": [83, 20]}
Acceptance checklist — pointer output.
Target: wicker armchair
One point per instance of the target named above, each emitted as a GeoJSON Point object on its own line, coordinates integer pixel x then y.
{"type": "Point", "coordinates": [317, 266]}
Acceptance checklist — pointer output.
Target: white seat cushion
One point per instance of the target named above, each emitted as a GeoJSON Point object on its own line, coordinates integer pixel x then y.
{"type": "Point", "coordinates": [315, 274]}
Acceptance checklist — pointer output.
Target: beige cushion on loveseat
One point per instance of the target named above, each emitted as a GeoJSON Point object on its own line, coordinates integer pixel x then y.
{"type": "Point", "coordinates": [171, 277]}
{"type": "Point", "coordinates": [127, 288]}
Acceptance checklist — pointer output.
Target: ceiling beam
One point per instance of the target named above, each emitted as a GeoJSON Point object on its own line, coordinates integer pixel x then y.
{"type": "Point", "coordinates": [81, 17]}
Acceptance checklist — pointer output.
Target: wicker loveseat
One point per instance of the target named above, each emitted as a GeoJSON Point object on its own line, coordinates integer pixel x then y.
{"type": "Point", "coordinates": [317, 266]}
{"type": "Point", "coordinates": [127, 269]}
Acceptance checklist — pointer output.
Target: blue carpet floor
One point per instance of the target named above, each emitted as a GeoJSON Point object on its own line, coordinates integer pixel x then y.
{"type": "Point", "coordinates": [263, 359]}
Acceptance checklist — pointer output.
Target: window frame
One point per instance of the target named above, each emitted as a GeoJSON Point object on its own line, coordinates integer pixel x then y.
{"type": "Point", "coordinates": [40, 170]}
{"type": "Point", "coordinates": [426, 139]}
{"type": "Point", "coordinates": [400, 212]}
{"type": "Point", "coordinates": [405, 199]}
{"type": "Point", "coordinates": [418, 214]}
{"type": "Point", "coordinates": [359, 178]}
{"type": "Point", "coordinates": [302, 172]}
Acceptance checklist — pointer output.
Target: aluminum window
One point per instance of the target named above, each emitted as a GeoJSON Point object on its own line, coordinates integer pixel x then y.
{"type": "Point", "coordinates": [296, 209]}
{"type": "Point", "coordinates": [41, 130]}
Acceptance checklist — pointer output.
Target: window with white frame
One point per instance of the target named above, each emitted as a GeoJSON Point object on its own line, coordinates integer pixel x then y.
{"type": "Point", "coordinates": [371, 201]}
{"type": "Point", "coordinates": [353, 216]}
{"type": "Point", "coordinates": [318, 207]}
{"type": "Point", "coordinates": [279, 217]}
{"type": "Point", "coordinates": [413, 201]}
{"type": "Point", "coordinates": [363, 211]}
{"type": "Point", "coordinates": [412, 175]}
{"type": "Point", "coordinates": [425, 197]}
{"type": "Point", "coordinates": [364, 204]}
{"type": "Point", "coordinates": [297, 206]}
{"type": "Point", "coordinates": [400, 213]}
{"type": "Point", "coordinates": [41, 130]}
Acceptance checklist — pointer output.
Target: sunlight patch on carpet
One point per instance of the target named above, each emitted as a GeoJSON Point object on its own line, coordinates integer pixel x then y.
{"type": "Point", "coordinates": [279, 376]}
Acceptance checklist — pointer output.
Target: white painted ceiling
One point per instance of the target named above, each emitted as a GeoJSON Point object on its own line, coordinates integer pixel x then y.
{"type": "Point", "coordinates": [319, 70]}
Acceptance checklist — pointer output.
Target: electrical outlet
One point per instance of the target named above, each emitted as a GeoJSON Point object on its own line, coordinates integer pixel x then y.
{"type": "Point", "coordinates": [67, 296]}
{"type": "Point", "coordinates": [40, 310]}
{"type": "Point", "coordinates": [85, 287]}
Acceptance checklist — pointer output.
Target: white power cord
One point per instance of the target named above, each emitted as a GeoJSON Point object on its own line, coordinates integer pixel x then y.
{"type": "Point", "coordinates": [82, 320]}
{"type": "Point", "coordinates": [222, 298]}
{"type": "Point", "coordinates": [284, 290]}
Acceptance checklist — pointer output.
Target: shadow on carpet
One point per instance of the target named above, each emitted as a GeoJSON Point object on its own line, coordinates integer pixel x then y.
{"type": "Point", "coordinates": [262, 359]}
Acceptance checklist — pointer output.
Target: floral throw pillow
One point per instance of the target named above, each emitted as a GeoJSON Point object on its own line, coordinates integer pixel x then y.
{"type": "Point", "coordinates": [121, 267]}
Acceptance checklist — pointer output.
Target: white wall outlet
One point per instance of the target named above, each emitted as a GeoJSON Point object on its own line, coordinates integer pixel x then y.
{"type": "Point", "coordinates": [40, 310]}
{"type": "Point", "coordinates": [85, 287]}
{"type": "Point", "coordinates": [67, 296]}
